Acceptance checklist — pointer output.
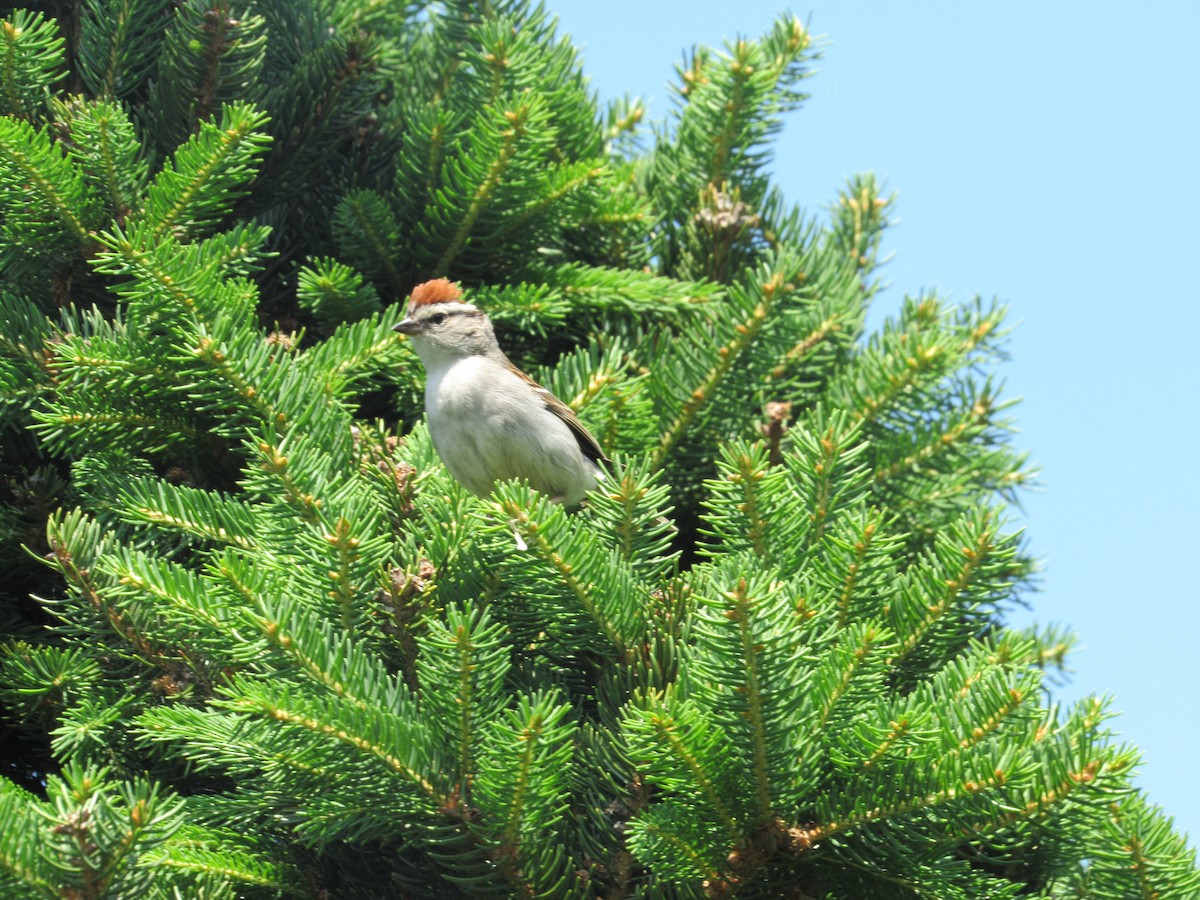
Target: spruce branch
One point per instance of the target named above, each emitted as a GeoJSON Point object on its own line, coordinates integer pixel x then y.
{"type": "Point", "coordinates": [632, 513]}
{"type": "Point", "coordinates": [329, 658]}
{"type": "Point", "coordinates": [464, 663]}
{"type": "Point", "coordinates": [174, 284]}
{"type": "Point", "coordinates": [211, 55]}
{"type": "Point", "coordinates": [799, 352]}
{"type": "Point", "coordinates": [236, 375]}
{"type": "Point", "coordinates": [745, 329]}
{"type": "Point", "coordinates": [95, 832]}
{"type": "Point", "coordinates": [753, 689]}
{"type": "Point", "coordinates": [622, 119]}
{"type": "Point", "coordinates": [385, 738]}
{"type": "Point", "coordinates": [902, 366]}
{"type": "Point", "coordinates": [358, 354]}
{"type": "Point", "coordinates": [46, 198]}
{"type": "Point", "coordinates": [588, 583]}
{"type": "Point", "coordinates": [335, 293]}
{"type": "Point", "coordinates": [368, 235]}
{"type": "Point", "coordinates": [325, 108]}
{"type": "Point", "coordinates": [349, 574]}
{"type": "Point", "coordinates": [859, 220]}
{"type": "Point", "coordinates": [497, 143]}
{"type": "Point", "coordinates": [168, 604]}
{"type": "Point", "coordinates": [860, 551]}
{"type": "Point", "coordinates": [851, 672]}
{"type": "Point", "coordinates": [22, 864]}
{"type": "Point", "coordinates": [1068, 765]}
{"type": "Point", "coordinates": [743, 662]}
{"type": "Point", "coordinates": [76, 542]}
{"type": "Point", "coordinates": [31, 60]}
{"type": "Point", "coordinates": [560, 182]}
{"type": "Point", "coordinates": [100, 137]}
{"type": "Point", "coordinates": [45, 679]}
{"type": "Point", "coordinates": [740, 500]}
{"type": "Point", "coordinates": [118, 40]}
{"type": "Point", "coordinates": [961, 427]}
{"type": "Point", "coordinates": [730, 104]}
{"type": "Point", "coordinates": [675, 743]}
{"type": "Point", "coordinates": [207, 173]}
{"type": "Point", "coordinates": [147, 429]}
{"type": "Point", "coordinates": [829, 468]}
{"type": "Point", "coordinates": [581, 288]}
{"type": "Point", "coordinates": [200, 513]}
{"type": "Point", "coordinates": [964, 569]}
{"type": "Point", "coordinates": [1140, 857]}
{"type": "Point", "coordinates": [679, 845]}
{"type": "Point", "coordinates": [274, 463]}
{"type": "Point", "coordinates": [217, 858]}
{"type": "Point", "coordinates": [521, 788]}
{"type": "Point", "coordinates": [959, 795]}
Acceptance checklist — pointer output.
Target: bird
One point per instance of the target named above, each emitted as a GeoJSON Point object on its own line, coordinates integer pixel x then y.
{"type": "Point", "coordinates": [489, 421]}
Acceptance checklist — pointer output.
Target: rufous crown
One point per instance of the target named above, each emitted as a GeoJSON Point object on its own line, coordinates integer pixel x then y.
{"type": "Point", "coordinates": [439, 290]}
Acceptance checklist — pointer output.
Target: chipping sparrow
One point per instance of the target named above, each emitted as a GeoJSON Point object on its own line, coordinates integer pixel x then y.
{"type": "Point", "coordinates": [489, 420]}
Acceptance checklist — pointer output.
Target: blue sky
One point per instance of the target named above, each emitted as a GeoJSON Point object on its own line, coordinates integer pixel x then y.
{"type": "Point", "coordinates": [1045, 154]}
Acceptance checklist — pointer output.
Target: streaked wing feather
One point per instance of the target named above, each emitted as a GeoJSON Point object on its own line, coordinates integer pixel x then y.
{"type": "Point", "coordinates": [588, 444]}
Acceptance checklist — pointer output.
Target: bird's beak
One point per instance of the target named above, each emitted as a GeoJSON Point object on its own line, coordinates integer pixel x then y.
{"type": "Point", "coordinates": [408, 326]}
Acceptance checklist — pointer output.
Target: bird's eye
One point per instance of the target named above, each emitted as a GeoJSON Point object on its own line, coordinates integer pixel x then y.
{"type": "Point", "coordinates": [437, 318]}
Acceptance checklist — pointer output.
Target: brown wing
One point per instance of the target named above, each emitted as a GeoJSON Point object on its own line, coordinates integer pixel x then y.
{"type": "Point", "coordinates": [587, 443]}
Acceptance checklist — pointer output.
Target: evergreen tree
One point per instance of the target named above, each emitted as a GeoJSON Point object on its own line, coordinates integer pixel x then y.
{"type": "Point", "coordinates": [259, 643]}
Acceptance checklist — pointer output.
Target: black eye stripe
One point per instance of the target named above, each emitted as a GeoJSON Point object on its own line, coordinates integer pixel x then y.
{"type": "Point", "coordinates": [437, 318]}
